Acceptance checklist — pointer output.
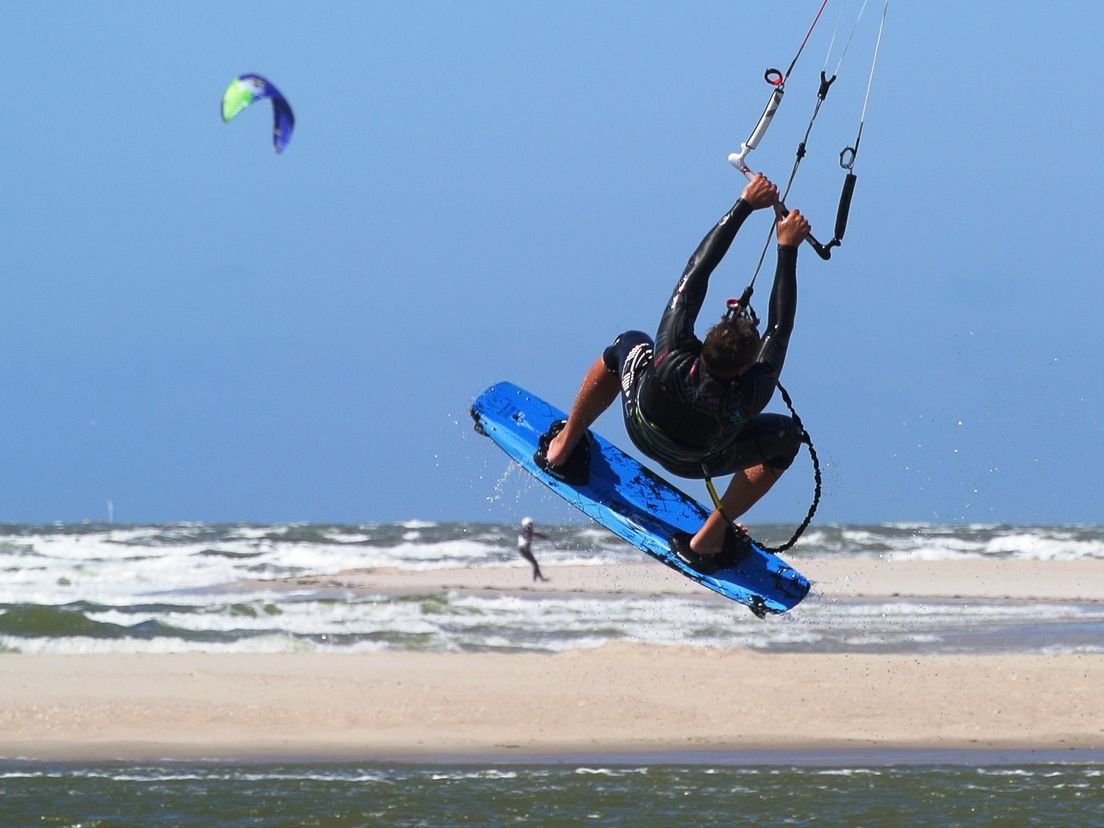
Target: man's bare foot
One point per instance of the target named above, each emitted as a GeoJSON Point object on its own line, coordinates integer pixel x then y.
{"type": "Point", "coordinates": [558, 453]}
{"type": "Point", "coordinates": [712, 543]}
{"type": "Point", "coordinates": [568, 463]}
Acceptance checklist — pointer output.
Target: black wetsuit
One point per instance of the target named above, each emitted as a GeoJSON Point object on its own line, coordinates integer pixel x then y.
{"type": "Point", "coordinates": [692, 423]}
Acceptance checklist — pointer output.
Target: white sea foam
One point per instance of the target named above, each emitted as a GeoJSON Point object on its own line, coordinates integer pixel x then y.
{"type": "Point", "coordinates": [200, 584]}
{"type": "Point", "coordinates": [167, 645]}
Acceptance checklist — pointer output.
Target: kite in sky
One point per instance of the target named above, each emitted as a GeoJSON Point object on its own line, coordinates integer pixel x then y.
{"type": "Point", "coordinates": [245, 90]}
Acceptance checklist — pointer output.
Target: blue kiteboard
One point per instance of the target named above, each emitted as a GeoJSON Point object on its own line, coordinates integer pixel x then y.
{"type": "Point", "coordinates": [632, 501]}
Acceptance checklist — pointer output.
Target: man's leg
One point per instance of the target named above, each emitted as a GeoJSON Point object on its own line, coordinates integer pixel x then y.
{"type": "Point", "coordinates": [743, 492]}
{"type": "Point", "coordinates": [764, 450]}
{"type": "Point", "coordinates": [597, 393]}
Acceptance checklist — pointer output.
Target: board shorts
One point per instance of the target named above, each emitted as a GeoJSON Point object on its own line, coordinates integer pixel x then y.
{"type": "Point", "coordinates": [771, 439]}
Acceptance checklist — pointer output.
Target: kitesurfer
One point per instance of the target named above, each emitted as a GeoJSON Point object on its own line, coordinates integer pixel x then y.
{"type": "Point", "coordinates": [696, 407]}
{"type": "Point", "coordinates": [524, 544]}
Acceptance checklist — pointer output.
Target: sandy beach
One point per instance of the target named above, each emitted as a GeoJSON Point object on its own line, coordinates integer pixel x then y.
{"type": "Point", "coordinates": [621, 697]}
{"type": "Point", "coordinates": [832, 578]}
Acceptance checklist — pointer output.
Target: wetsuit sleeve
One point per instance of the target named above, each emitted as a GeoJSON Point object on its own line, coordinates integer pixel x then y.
{"type": "Point", "coordinates": [676, 326]}
{"type": "Point", "coordinates": [780, 318]}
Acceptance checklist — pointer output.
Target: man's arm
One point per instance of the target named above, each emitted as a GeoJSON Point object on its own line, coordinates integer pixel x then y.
{"type": "Point", "coordinates": [676, 326]}
{"type": "Point", "coordinates": [792, 230]}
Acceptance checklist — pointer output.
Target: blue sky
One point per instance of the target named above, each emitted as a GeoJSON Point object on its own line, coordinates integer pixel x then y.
{"type": "Point", "coordinates": [198, 329]}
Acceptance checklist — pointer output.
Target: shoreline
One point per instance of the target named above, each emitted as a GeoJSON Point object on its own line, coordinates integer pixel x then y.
{"type": "Point", "coordinates": [834, 757]}
{"type": "Point", "coordinates": [622, 699]}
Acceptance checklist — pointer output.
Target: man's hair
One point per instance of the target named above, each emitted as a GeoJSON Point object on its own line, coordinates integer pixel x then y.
{"type": "Point", "coordinates": [730, 345]}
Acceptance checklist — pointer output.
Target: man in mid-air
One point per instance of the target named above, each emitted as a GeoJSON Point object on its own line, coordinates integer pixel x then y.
{"type": "Point", "coordinates": [696, 407]}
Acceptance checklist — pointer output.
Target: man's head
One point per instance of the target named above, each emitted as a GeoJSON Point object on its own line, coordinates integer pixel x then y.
{"type": "Point", "coordinates": [730, 347]}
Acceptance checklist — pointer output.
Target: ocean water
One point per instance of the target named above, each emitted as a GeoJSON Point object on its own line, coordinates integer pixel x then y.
{"type": "Point", "coordinates": [224, 588]}
{"type": "Point", "coordinates": [563, 794]}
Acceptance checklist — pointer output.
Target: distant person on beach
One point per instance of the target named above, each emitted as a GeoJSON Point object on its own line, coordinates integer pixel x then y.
{"type": "Point", "coordinates": [524, 544]}
{"type": "Point", "coordinates": [696, 407]}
